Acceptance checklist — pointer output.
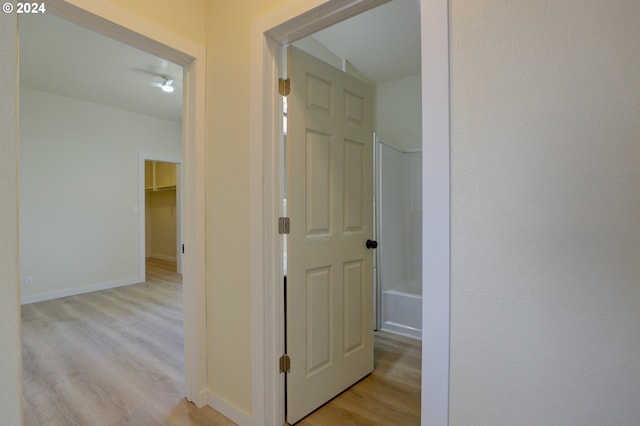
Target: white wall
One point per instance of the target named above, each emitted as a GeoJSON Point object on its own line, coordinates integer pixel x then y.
{"type": "Point", "coordinates": [79, 191]}
{"type": "Point", "coordinates": [545, 212]}
{"type": "Point", "coordinates": [399, 112]}
{"type": "Point", "coordinates": [10, 340]}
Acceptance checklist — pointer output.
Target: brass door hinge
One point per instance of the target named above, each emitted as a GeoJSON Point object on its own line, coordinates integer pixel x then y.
{"type": "Point", "coordinates": [285, 364]}
{"type": "Point", "coordinates": [284, 87]}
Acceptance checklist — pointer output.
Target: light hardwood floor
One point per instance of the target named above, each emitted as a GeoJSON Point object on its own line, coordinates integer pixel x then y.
{"type": "Point", "coordinates": [112, 357]}
{"type": "Point", "coordinates": [115, 357]}
{"type": "Point", "coordinates": [388, 396]}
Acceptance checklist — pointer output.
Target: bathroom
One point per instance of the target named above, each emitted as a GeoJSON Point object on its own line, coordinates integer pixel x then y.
{"type": "Point", "coordinates": [398, 210]}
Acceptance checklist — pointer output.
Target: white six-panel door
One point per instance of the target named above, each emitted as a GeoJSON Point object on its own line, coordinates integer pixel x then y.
{"type": "Point", "coordinates": [329, 200]}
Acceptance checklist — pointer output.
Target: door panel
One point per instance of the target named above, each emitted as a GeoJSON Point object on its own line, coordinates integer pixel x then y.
{"type": "Point", "coordinates": [354, 297]}
{"type": "Point", "coordinates": [330, 204]}
{"type": "Point", "coordinates": [354, 155]}
{"type": "Point", "coordinates": [318, 188]}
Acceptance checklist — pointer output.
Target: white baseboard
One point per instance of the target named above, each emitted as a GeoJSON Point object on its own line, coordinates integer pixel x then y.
{"type": "Point", "coordinates": [402, 330]}
{"type": "Point", "coordinates": [162, 257]}
{"type": "Point", "coordinates": [25, 300]}
{"type": "Point", "coordinates": [228, 410]}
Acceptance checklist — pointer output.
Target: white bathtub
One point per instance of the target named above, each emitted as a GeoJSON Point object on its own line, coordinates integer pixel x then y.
{"type": "Point", "coordinates": [402, 310]}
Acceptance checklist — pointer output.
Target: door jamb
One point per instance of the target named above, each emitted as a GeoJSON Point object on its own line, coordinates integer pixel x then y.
{"type": "Point", "coordinates": [130, 29]}
{"type": "Point", "coordinates": [270, 34]}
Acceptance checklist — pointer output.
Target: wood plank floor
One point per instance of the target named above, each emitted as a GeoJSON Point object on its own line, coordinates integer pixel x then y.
{"type": "Point", "coordinates": [112, 357]}
{"type": "Point", "coordinates": [115, 357]}
{"type": "Point", "coordinates": [388, 396]}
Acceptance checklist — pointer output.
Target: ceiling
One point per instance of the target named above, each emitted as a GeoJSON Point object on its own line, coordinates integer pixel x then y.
{"type": "Point", "coordinates": [383, 43]}
{"type": "Point", "coordinates": [63, 58]}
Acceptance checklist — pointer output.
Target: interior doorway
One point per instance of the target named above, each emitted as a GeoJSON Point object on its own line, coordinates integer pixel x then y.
{"type": "Point", "coordinates": [399, 91]}
{"type": "Point", "coordinates": [162, 201]}
{"type": "Point", "coordinates": [270, 34]}
{"type": "Point", "coordinates": [133, 31]}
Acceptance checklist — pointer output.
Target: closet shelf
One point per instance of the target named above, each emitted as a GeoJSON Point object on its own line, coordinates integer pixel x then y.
{"type": "Point", "coordinates": [159, 176]}
{"type": "Point", "coordinates": [161, 188]}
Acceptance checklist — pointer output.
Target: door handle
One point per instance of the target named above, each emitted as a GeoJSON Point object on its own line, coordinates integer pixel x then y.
{"type": "Point", "coordinates": [371, 244]}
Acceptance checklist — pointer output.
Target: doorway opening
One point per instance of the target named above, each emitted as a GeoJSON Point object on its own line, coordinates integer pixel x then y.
{"type": "Point", "coordinates": [189, 58]}
{"type": "Point", "coordinates": [162, 201]}
{"type": "Point", "coordinates": [79, 200]}
{"type": "Point", "coordinates": [270, 34]}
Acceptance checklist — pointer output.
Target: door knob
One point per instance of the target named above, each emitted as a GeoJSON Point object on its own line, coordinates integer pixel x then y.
{"type": "Point", "coordinates": [371, 244]}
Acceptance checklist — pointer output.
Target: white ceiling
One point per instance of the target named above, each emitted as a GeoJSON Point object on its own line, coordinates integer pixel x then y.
{"type": "Point", "coordinates": [383, 43]}
{"type": "Point", "coordinates": [63, 58]}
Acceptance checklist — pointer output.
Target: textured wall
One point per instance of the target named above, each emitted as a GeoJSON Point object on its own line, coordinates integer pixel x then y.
{"type": "Point", "coordinates": [10, 342]}
{"type": "Point", "coordinates": [228, 244]}
{"type": "Point", "coordinates": [545, 212]}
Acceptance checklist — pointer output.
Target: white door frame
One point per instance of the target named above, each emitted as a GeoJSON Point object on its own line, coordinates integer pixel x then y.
{"type": "Point", "coordinates": [270, 33]}
{"type": "Point", "coordinates": [109, 20]}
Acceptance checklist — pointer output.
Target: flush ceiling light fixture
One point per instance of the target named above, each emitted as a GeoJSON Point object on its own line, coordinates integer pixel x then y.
{"type": "Point", "coordinates": [166, 85]}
